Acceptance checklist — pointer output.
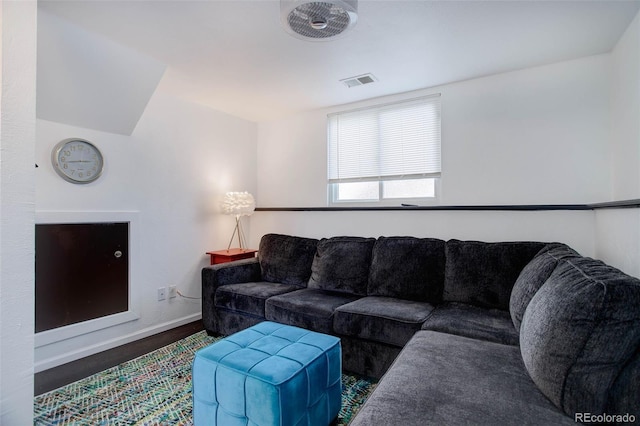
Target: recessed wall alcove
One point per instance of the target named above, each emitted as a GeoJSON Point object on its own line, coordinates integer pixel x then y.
{"type": "Point", "coordinates": [83, 263]}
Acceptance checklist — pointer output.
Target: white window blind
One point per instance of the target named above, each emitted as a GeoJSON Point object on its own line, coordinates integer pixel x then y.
{"type": "Point", "coordinates": [387, 142]}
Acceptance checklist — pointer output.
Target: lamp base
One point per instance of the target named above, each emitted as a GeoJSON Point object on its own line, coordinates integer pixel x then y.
{"type": "Point", "coordinates": [237, 230]}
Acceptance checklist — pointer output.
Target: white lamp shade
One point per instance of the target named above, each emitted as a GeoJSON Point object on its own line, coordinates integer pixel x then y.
{"type": "Point", "coordinates": [238, 204]}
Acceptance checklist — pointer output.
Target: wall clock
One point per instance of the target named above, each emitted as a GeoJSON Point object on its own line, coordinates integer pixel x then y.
{"type": "Point", "coordinates": [77, 160]}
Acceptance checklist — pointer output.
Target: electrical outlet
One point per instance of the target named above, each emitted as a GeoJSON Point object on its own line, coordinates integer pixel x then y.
{"type": "Point", "coordinates": [162, 293]}
{"type": "Point", "coordinates": [173, 291]}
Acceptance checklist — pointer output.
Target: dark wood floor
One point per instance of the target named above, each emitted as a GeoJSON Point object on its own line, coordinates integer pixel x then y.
{"type": "Point", "coordinates": [68, 373]}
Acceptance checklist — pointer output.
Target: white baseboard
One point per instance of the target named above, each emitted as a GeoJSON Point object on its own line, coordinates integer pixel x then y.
{"type": "Point", "coordinates": [51, 362]}
{"type": "Point", "coordinates": [59, 334]}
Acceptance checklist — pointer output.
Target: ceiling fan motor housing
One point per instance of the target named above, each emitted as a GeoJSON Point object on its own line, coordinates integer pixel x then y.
{"type": "Point", "coordinates": [318, 20]}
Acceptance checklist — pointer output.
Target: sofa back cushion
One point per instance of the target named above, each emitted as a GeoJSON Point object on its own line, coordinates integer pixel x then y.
{"type": "Point", "coordinates": [533, 276]}
{"type": "Point", "coordinates": [341, 264]}
{"type": "Point", "coordinates": [483, 274]}
{"type": "Point", "coordinates": [578, 334]}
{"type": "Point", "coordinates": [625, 392]}
{"type": "Point", "coordinates": [407, 268]}
{"type": "Point", "coordinates": [286, 259]}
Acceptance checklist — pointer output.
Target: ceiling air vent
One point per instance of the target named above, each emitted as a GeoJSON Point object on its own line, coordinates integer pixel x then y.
{"type": "Point", "coordinates": [359, 80]}
{"type": "Point", "coordinates": [318, 20]}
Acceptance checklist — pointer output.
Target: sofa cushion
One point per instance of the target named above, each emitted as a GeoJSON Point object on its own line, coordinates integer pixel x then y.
{"type": "Point", "coordinates": [444, 379]}
{"type": "Point", "coordinates": [383, 319]}
{"type": "Point", "coordinates": [341, 264]}
{"type": "Point", "coordinates": [533, 276]}
{"type": "Point", "coordinates": [493, 325]}
{"type": "Point", "coordinates": [286, 259]}
{"type": "Point", "coordinates": [307, 308]}
{"type": "Point", "coordinates": [407, 268]}
{"type": "Point", "coordinates": [483, 274]}
{"type": "Point", "coordinates": [626, 389]}
{"type": "Point", "coordinates": [248, 298]}
{"type": "Point", "coordinates": [579, 332]}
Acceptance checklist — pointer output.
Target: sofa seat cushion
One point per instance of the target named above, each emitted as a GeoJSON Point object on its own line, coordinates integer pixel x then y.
{"type": "Point", "coordinates": [483, 274]}
{"type": "Point", "coordinates": [341, 264]}
{"type": "Point", "coordinates": [493, 325]}
{"type": "Point", "coordinates": [286, 259]}
{"type": "Point", "coordinates": [407, 268]}
{"type": "Point", "coordinates": [306, 308]}
{"type": "Point", "coordinates": [248, 298]}
{"type": "Point", "coordinates": [580, 338]}
{"type": "Point", "coordinates": [382, 319]}
{"type": "Point", "coordinates": [533, 276]}
{"type": "Point", "coordinates": [444, 379]}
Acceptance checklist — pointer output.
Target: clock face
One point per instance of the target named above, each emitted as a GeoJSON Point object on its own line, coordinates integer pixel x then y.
{"type": "Point", "coordinates": [77, 160]}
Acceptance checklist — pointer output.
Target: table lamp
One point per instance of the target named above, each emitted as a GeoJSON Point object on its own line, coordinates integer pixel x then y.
{"type": "Point", "coordinates": [238, 204]}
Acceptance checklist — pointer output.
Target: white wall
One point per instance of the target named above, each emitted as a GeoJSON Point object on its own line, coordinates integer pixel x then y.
{"type": "Point", "coordinates": [618, 239]}
{"type": "Point", "coordinates": [534, 136]}
{"type": "Point", "coordinates": [618, 231]}
{"type": "Point", "coordinates": [98, 83]}
{"type": "Point", "coordinates": [571, 227]}
{"type": "Point", "coordinates": [625, 113]}
{"type": "Point", "coordinates": [169, 173]}
{"type": "Point", "coordinates": [17, 140]}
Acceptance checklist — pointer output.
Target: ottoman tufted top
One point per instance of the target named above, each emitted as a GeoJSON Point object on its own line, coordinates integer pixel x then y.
{"type": "Point", "coordinates": [270, 351]}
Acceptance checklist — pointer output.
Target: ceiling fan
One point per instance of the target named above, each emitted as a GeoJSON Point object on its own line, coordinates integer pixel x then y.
{"type": "Point", "coordinates": [318, 20]}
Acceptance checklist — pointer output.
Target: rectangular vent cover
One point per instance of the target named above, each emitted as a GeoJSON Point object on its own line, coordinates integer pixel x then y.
{"type": "Point", "coordinates": [359, 80]}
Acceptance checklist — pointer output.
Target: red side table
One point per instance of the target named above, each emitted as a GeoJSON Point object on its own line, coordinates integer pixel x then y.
{"type": "Point", "coordinates": [224, 256]}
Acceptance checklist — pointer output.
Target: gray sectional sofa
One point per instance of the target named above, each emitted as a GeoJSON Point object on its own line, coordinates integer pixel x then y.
{"type": "Point", "coordinates": [461, 332]}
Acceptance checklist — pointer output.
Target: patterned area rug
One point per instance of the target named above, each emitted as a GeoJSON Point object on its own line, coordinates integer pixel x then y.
{"type": "Point", "coordinates": [154, 389]}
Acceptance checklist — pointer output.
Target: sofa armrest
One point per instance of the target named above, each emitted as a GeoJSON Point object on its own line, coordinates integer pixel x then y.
{"type": "Point", "coordinates": [214, 276]}
{"type": "Point", "coordinates": [239, 271]}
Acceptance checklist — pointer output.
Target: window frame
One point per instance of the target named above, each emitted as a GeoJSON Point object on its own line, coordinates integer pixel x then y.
{"type": "Point", "coordinates": [332, 192]}
{"type": "Point", "coordinates": [332, 186]}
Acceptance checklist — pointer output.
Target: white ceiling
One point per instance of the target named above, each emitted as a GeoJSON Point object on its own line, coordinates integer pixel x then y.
{"type": "Point", "coordinates": [235, 56]}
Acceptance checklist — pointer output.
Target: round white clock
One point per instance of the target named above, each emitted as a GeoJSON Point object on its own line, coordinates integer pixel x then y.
{"type": "Point", "coordinates": [77, 160]}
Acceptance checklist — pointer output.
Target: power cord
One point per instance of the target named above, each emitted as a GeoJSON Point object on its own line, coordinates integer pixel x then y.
{"type": "Point", "coordinates": [187, 297]}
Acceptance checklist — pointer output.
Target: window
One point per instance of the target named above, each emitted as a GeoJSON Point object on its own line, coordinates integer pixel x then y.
{"type": "Point", "coordinates": [385, 153]}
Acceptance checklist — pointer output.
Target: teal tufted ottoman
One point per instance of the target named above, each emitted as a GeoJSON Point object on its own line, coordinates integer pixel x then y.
{"type": "Point", "coordinates": [268, 374]}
